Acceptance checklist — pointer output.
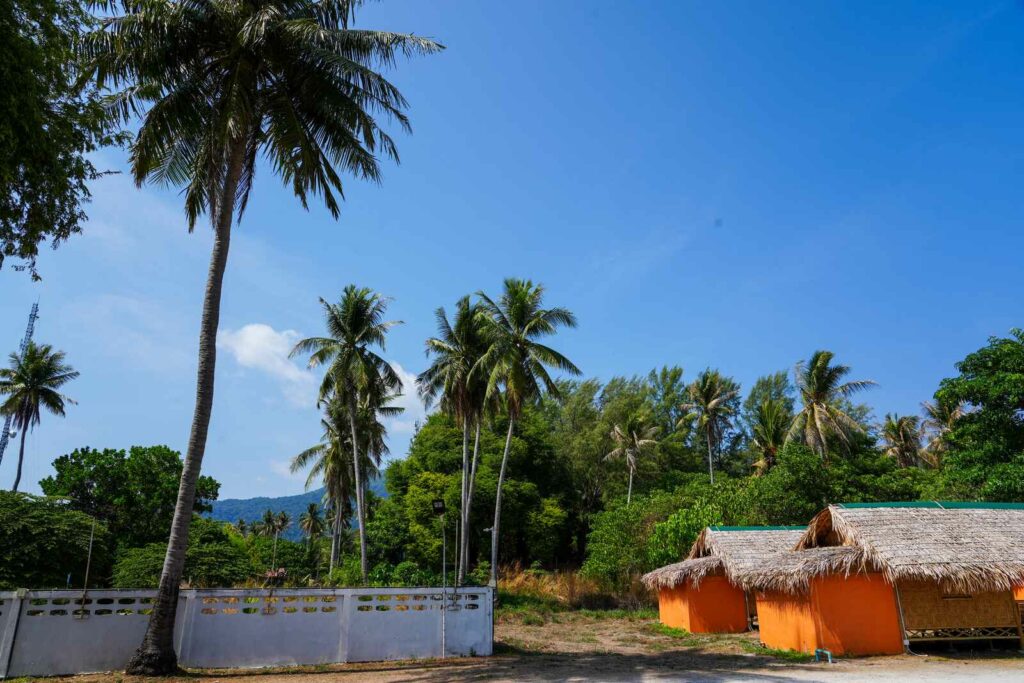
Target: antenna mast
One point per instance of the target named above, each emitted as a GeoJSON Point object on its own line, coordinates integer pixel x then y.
{"type": "Point", "coordinates": [33, 314]}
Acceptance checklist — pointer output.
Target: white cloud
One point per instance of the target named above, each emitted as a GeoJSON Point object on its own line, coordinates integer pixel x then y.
{"type": "Point", "coordinates": [282, 468]}
{"type": "Point", "coordinates": [414, 411]}
{"type": "Point", "coordinates": [261, 347]}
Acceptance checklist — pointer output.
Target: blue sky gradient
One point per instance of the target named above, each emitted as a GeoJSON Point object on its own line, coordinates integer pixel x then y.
{"type": "Point", "coordinates": [726, 184]}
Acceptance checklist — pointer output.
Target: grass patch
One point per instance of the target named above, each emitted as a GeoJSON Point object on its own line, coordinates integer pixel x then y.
{"type": "Point", "coordinates": [786, 655]}
{"type": "Point", "coordinates": [682, 635]}
{"type": "Point", "coordinates": [537, 610]}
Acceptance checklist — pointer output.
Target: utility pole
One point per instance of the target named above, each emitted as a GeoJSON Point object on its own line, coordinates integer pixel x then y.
{"type": "Point", "coordinates": [6, 434]}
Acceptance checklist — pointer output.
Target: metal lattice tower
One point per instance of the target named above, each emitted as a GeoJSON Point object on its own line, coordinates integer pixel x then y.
{"type": "Point", "coordinates": [33, 314]}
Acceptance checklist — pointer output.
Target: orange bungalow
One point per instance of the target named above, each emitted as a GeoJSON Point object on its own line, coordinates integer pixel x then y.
{"type": "Point", "coordinates": [878, 578]}
{"type": "Point", "coordinates": [705, 593]}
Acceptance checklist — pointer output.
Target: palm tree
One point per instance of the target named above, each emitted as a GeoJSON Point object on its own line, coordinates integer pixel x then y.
{"type": "Point", "coordinates": [30, 384]}
{"type": "Point", "coordinates": [517, 361]}
{"type": "Point", "coordinates": [242, 527]}
{"type": "Point", "coordinates": [821, 389]}
{"type": "Point", "coordinates": [939, 418]}
{"type": "Point", "coordinates": [902, 438]}
{"type": "Point", "coordinates": [771, 422]}
{"type": "Point", "coordinates": [355, 373]}
{"type": "Point", "coordinates": [712, 406]}
{"type": "Point", "coordinates": [278, 524]}
{"type": "Point", "coordinates": [265, 527]}
{"type": "Point", "coordinates": [215, 84]}
{"type": "Point", "coordinates": [631, 441]}
{"type": "Point", "coordinates": [456, 351]}
{"type": "Point", "coordinates": [311, 523]}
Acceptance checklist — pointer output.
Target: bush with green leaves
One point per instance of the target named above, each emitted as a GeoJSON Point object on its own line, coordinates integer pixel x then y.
{"type": "Point", "coordinates": [214, 558]}
{"type": "Point", "coordinates": [43, 544]}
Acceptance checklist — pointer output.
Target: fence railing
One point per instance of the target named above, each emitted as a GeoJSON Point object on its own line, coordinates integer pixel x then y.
{"type": "Point", "coordinates": [45, 633]}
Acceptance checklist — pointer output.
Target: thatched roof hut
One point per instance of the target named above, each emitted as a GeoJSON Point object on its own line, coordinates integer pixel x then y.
{"type": "Point", "coordinates": [732, 551]}
{"type": "Point", "coordinates": [968, 547]}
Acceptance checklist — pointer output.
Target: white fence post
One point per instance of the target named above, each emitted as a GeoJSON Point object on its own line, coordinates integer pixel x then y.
{"type": "Point", "coordinates": [11, 615]}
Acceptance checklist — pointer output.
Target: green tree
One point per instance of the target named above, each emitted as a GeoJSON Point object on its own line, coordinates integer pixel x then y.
{"type": "Point", "coordinates": [312, 523]}
{"type": "Point", "coordinates": [712, 404]}
{"type": "Point", "coordinates": [773, 387]}
{"type": "Point", "coordinates": [901, 435]}
{"type": "Point", "coordinates": [213, 558]}
{"type": "Point", "coordinates": [516, 361]}
{"type": "Point", "coordinates": [450, 379]}
{"type": "Point", "coordinates": [44, 542]}
{"type": "Point", "coordinates": [356, 375]}
{"type": "Point", "coordinates": [768, 432]}
{"type": "Point", "coordinates": [670, 541]}
{"type": "Point", "coordinates": [32, 383]}
{"type": "Point", "coordinates": [49, 125]}
{"type": "Point", "coordinates": [985, 455]}
{"type": "Point", "coordinates": [215, 84]}
{"type": "Point", "coordinates": [822, 416]}
{"type": "Point", "coordinates": [632, 440]}
{"type": "Point", "coordinates": [134, 493]}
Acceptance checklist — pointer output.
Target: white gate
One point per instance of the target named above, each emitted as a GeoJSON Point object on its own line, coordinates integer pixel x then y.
{"type": "Point", "coordinates": [44, 633]}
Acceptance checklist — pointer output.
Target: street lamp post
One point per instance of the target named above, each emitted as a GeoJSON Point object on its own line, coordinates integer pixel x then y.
{"type": "Point", "coordinates": [439, 509]}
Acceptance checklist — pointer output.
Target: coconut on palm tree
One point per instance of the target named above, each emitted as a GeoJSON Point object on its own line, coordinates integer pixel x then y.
{"type": "Point", "coordinates": [712, 406]}
{"type": "Point", "coordinates": [450, 380]}
{"type": "Point", "coordinates": [768, 432]}
{"type": "Point", "coordinates": [516, 363]}
{"type": "Point", "coordinates": [31, 384]}
{"type": "Point", "coordinates": [632, 439]}
{"type": "Point", "coordinates": [901, 435]}
{"type": "Point", "coordinates": [822, 390]}
{"type": "Point", "coordinates": [217, 85]}
{"type": "Point", "coordinates": [356, 375]}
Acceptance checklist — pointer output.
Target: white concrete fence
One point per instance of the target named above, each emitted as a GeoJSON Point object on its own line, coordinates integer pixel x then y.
{"type": "Point", "coordinates": [46, 633]}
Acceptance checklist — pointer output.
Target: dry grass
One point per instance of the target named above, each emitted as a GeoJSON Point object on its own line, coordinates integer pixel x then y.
{"type": "Point", "coordinates": [534, 597]}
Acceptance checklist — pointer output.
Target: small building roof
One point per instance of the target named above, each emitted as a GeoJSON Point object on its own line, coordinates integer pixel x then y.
{"type": "Point", "coordinates": [734, 551]}
{"type": "Point", "coordinates": [964, 546]}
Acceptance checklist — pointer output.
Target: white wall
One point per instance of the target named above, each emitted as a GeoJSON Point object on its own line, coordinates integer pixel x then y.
{"type": "Point", "coordinates": [44, 633]}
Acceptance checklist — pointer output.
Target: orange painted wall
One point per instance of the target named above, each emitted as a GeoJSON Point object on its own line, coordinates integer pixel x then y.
{"type": "Point", "coordinates": [856, 615]}
{"type": "Point", "coordinates": [1018, 593]}
{"type": "Point", "coordinates": [715, 606]}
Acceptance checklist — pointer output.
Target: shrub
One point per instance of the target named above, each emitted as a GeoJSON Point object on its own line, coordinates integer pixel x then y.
{"type": "Point", "coordinates": [42, 543]}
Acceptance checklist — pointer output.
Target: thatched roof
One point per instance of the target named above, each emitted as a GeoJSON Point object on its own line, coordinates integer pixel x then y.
{"type": "Point", "coordinates": [969, 548]}
{"type": "Point", "coordinates": [734, 551]}
{"type": "Point", "coordinates": [792, 571]}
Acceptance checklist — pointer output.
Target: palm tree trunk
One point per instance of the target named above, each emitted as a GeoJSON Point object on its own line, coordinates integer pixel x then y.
{"type": "Point", "coordinates": [360, 512]}
{"type": "Point", "coordinates": [156, 656]}
{"type": "Point", "coordinates": [464, 566]}
{"type": "Point", "coordinates": [496, 529]}
{"type": "Point", "coordinates": [21, 458]}
{"type": "Point", "coordinates": [629, 491]}
{"type": "Point", "coordinates": [335, 534]}
{"type": "Point", "coordinates": [462, 501]}
{"type": "Point", "coordinates": [273, 556]}
{"type": "Point", "coordinates": [711, 466]}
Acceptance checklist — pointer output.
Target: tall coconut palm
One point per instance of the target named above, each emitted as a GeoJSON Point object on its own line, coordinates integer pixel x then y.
{"type": "Point", "coordinates": [451, 381]}
{"type": "Point", "coordinates": [215, 84]}
{"type": "Point", "coordinates": [939, 418]}
{"type": "Point", "coordinates": [242, 527]}
{"type": "Point", "coordinates": [632, 439]}
{"type": "Point", "coordinates": [516, 363]}
{"type": "Point", "coordinates": [29, 385]}
{"type": "Point", "coordinates": [355, 373]}
{"type": "Point", "coordinates": [712, 406]}
{"type": "Point", "coordinates": [901, 435]}
{"type": "Point", "coordinates": [770, 424]}
{"type": "Point", "coordinates": [821, 388]}
{"type": "Point", "coordinates": [278, 523]}
{"type": "Point", "coordinates": [330, 461]}
{"type": "Point", "coordinates": [312, 523]}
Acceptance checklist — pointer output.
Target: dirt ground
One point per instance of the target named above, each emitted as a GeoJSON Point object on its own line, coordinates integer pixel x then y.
{"type": "Point", "coordinates": [584, 648]}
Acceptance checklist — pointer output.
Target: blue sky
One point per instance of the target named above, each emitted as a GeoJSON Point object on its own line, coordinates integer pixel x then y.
{"type": "Point", "coordinates": [726, 184]}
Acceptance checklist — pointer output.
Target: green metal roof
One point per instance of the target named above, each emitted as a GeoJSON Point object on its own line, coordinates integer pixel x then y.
{"type": "Point", "coordinates": [942, 505]}
{"type": "Point", "coordinates": [757, 528]}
